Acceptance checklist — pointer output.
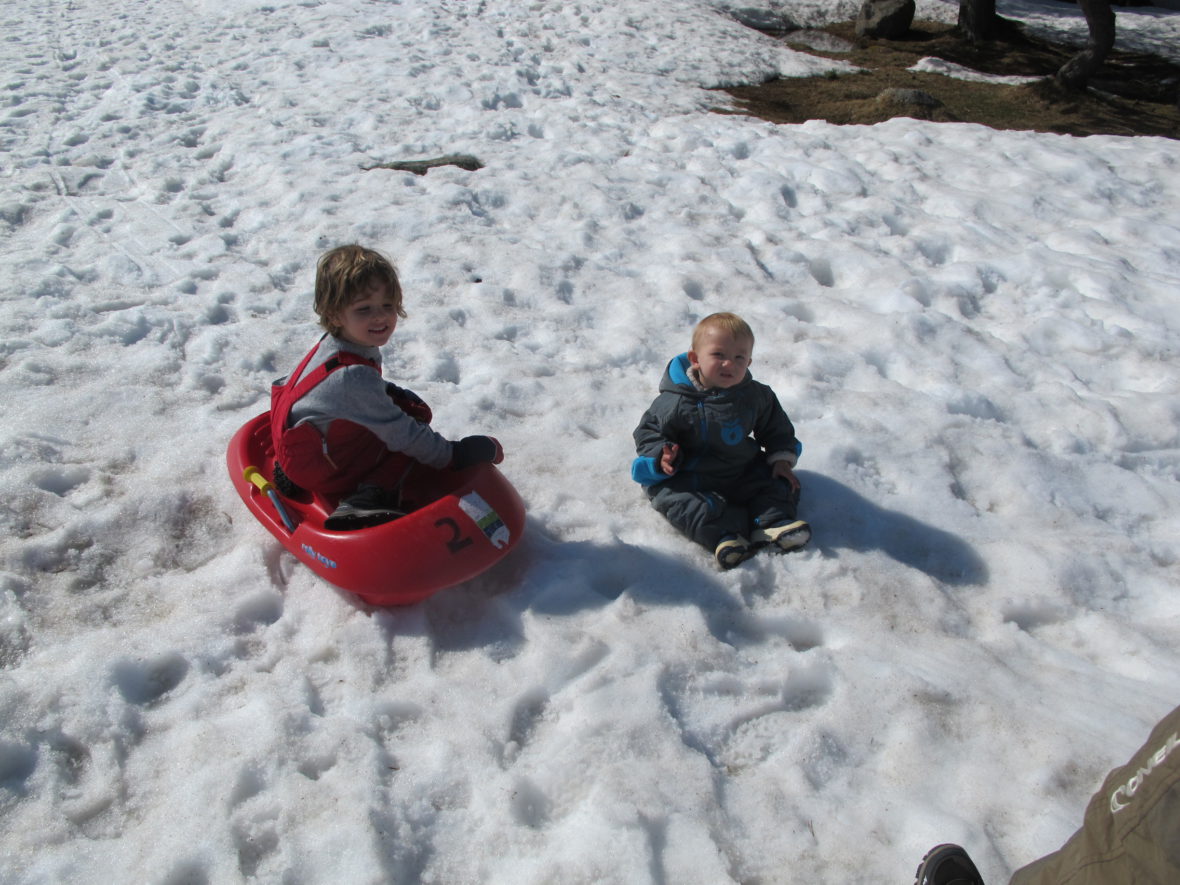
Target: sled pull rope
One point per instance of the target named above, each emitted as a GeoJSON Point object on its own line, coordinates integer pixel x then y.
{"type": "Point", "coordinates": [253, 475]}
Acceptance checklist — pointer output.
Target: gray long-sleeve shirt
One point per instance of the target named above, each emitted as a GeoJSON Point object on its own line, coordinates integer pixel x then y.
{"type": "Point", "coordinates": [357, 393]}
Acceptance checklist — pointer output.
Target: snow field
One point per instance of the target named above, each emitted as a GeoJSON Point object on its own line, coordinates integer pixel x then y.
{"type": "Point", "coordinates": [973, 332]}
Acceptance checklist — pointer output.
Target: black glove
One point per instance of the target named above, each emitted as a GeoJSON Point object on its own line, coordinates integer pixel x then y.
{"type": "Point", "coordinates": [476, 450]}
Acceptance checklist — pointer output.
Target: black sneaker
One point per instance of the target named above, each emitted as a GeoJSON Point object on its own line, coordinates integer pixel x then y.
{"type": "Point", "coordinates": [786, 536]}
{"type": "Point", "coordinates": [283, 483]}
{"type": "Point", "coordinates": [732, 550]}
{"type": "Point", "coordinates": [947, 865]}
{"type": "Point", "coordinates": [368, 505]}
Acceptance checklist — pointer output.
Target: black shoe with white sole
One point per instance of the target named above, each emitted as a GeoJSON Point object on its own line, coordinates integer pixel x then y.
{"type": "Point", "coordinates": [786, 536]}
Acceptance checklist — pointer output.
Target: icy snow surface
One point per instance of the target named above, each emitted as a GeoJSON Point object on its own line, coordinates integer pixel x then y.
{"type": "Point", "coordinates": [975, 333]}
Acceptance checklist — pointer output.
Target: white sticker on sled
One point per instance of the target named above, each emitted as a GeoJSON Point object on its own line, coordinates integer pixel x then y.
{"type": "Point", "coordinates": [486, 518]}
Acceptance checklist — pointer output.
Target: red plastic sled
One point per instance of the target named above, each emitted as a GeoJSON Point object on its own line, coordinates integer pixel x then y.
{"type": "Point", "coordinates": [475, 518]}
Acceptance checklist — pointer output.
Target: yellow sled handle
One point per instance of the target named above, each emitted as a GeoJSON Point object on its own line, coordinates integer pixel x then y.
{"type": "Point", "coordinates": [252, 474]}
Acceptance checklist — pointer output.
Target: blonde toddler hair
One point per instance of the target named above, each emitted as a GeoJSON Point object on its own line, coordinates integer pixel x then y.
{"type": "Point", "coordinates": [726, 322]}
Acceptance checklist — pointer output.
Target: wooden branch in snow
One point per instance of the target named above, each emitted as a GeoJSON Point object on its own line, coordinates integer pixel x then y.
{"type": "Point", "coordinates": [421, 167]}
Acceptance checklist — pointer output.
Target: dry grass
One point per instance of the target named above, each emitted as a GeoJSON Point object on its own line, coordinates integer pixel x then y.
{"type": "Point", "coordinates": [1133, 94]}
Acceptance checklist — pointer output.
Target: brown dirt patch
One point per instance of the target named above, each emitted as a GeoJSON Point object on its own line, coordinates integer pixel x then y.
{"type": "Point", "coordinates": [1133, 93]}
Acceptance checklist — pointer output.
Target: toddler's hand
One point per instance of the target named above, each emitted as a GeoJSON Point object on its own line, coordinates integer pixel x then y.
{"type": "Point", "coordinates": [782, 470]}
{"type": "Point", "coordinates": [668, 458]}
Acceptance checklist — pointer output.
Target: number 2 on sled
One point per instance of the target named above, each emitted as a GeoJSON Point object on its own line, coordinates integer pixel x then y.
{"type": "Point", "coordinates": [457, 540]}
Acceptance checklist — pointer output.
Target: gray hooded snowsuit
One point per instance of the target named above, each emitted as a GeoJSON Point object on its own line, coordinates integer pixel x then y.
{"type": "Point", "coordinates": [728, 439]}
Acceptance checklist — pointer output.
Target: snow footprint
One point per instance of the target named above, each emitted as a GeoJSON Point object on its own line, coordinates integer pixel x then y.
{"type": "Point", "coordinates": [188, 872]}
{"type": "Point", "coordinates": [254, 821]}
{"type": "Point", "coordinates": [145, 682]}
{"type": "Point", "coordinates": [257, 611]}
{"type": "Point", "coordinates": [1033, 614]}
{"type": "Point", "coordinates": [61, 481]}
{"type": "Point", "coordinates": [446, 369]}
{"type": "Point", "coordinates": [733, 719]}
{"type": "Point", "coordinates": [17, 763]}
{"type": "Point", "coordinates": [821, 271]}
{"type": "Point", "coordinates": [256, 838]}
{"type": "Point", "coordinates": [530, 806]}
{"type": "Point", "coordinates": [527, 714]}
{"type": "Point", "coordinates": [741, 626]}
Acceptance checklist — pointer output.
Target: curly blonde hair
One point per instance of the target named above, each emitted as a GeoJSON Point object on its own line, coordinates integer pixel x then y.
{"type": "Point", "coordinates": [344, 274]}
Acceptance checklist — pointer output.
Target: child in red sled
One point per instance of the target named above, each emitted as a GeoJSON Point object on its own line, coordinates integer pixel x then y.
{"type": "Point", "coordinates": [338, 427]}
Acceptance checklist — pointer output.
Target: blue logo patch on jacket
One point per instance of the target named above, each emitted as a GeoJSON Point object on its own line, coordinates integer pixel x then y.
{"type": "Point", "coordinates": [732, 433]}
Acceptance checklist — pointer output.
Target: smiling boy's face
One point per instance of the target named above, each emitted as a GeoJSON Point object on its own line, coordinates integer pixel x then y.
{"type": "Point", "coordinates": [721, 359]}
{"type": "Point", "coordinates": [370, 320]}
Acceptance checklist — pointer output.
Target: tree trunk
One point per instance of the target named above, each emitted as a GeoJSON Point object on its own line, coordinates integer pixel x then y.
{"type": "Point", "coordinates": [1075, 74]}
{"type": "Point", "coordinates": [977, 19]}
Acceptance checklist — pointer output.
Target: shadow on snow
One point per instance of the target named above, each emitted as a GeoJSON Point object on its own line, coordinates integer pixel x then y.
{"type": "Point", "coordinates": [550, 577]}
{"type": "Point", "coordinates": [845, 520]}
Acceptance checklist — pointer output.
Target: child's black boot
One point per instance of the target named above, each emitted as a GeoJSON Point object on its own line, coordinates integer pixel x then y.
{"type": "Point", "coordinates": [732, 550]}
{"type": "Point", "coordinates": [368, 505]}
{"type": "Point", "coordinates": [786, 536]}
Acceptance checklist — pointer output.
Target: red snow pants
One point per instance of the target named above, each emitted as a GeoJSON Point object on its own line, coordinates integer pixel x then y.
{"type": "Point", "coordinates": [337, 462]}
